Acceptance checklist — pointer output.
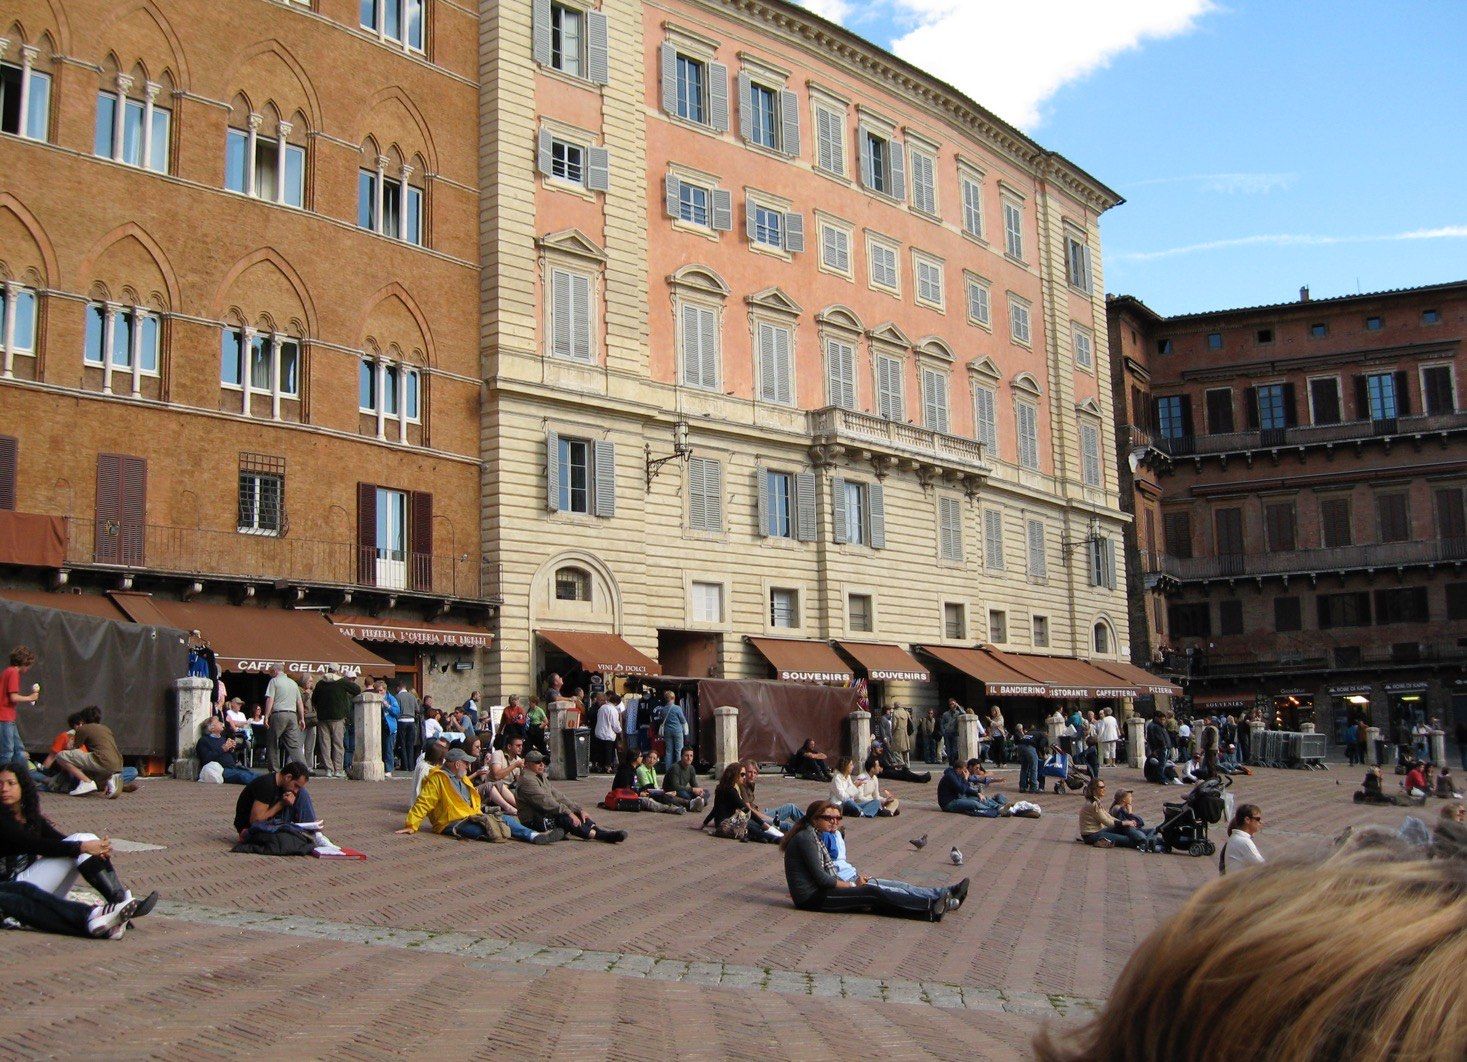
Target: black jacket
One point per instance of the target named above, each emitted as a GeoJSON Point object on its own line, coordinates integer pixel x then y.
{"type": "Point", "coordinates": [806, 868]}
{"type": "Point", "coordinates": [21, 845]}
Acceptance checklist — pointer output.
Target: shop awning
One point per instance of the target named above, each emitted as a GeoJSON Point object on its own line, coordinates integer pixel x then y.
{"type": "Point", "coordinates": [609, 653]}
{"type": "Point", "coordinates": [82, 604]}
{"type": "Point", "coordinates": [988, 666]}
{"type": "Point", "coordinates": [884, 661]}
{"type": "Point", "coordinates": [250, 639]}
{"type": "Point", "coordinates": [795, 660]}
{"type": "Point", "coordinates": [1138, 676]}
{"type": "Point", "coordinates": [1070, 678]}
{"type": "Point", "coordinates": [400, 632]}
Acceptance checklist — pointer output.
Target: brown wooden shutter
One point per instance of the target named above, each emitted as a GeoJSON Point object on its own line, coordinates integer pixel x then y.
{"type": "Point", "coordinates": [1403, 393]}
{"type": "Point", "coordinates": [1325, 395]}
{"type": "Point", "coordinates": [1362, 398]}
{"type": "Point", "coordinates": [108, 514]}
{"type": "Point", "coordinates": [1291, 406]}
{"type": "Point", "coordinates": [1334, 516]}
{"type": "Point", "coordinates": [1451, 515]}
{"type": "Point", "coordinates": [134, 498]}
{"type": "Point", "coordinates": [9, 458]}
{"type": "Point", "coordinates": [1187, 428]}
{"type": "Point", "coordinates": [367, 534]}
{"type": "Point", "coordinates": [1438, 396]}
{"type": "Point", "coordinates": [1250, 407]}
{"type": "Point", "coordinates": [420, 541]}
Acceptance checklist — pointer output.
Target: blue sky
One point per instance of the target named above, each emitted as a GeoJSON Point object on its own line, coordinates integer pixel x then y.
{"type": "Point", "coordinates": [1260, 146]}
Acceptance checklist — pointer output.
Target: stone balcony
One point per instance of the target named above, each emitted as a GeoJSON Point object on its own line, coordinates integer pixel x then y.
{"type": "Point", "coordinates": [891, 444]}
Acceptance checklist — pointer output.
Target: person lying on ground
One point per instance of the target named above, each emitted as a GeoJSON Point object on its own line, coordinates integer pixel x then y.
{"type": "Point", "coordinates": [891, 765]}
{"type": "Point", "coordinates": [450, 803]}
{"type": "Point", "coordinates": [814, 885]}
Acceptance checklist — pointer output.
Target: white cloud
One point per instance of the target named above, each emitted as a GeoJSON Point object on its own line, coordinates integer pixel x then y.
{"type": "Point", "coordinates": [1286, 239]}
{"type": "Point", "coordinates": [835, 10]}
{"type": "Point", "coordinates": [1227, 183]}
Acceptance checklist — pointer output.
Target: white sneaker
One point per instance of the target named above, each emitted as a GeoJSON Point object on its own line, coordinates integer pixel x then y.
{"type": "Point", "coordinates": [109, 920]}
{"type": "Point", "coordinates": [114, 787]}
{"type": "Point", "coordinates": [86, 787]}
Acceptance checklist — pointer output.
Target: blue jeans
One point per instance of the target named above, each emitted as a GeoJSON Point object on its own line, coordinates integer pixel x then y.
{"type": "Point", "coordinates": [1028, 770]}
{"type": "Point", "coordinates": [470, 831]}
{"type": "Point", "coordinates": [33, 906]}
{"type": "Point", "coordinates": [1126, 837]}
{"type": "Point", "coordinates": [879, 896]}
{"type": "Point", "coordinates": [11, 750]}
{"type": "Point", "coordinates": [784, 816]}
{"type": "Point", "coordinates": [240, 775]}
{"type": "Point", "coordinates": [986, 809]}
{"type": "Point", "coordinates": [518, 830]}
{"type": "Point", "coordinates": [673, 738]}
{"type": "Point", "coordinates": [865, 809]}
{"type": "Point", "coordinates": [389, 754]}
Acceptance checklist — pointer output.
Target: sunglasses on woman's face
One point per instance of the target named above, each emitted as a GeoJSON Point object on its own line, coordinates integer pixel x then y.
{"type": "Point", "coordinates": [828, 818]}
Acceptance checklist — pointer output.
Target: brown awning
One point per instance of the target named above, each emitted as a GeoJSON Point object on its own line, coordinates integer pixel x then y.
{"type": "Point", "coordinates": [85, 604]}
{"type": "Point", "coordinates": [795, 660]}
{"type": "Point", "coordinates": [1149, 683]}
{"type": "Point", "coordinates": [250, 640]}
{"type": "Point", "coordinates": [989, 667]}
{"type": "Point", "coordinates": [884, 661]}
{"type": "Point", "coordinates": [381, 629]}
{"type": "Point", "coordinates": [1070, 678]}
{"type": "Point", "coordinates": [610, 653]}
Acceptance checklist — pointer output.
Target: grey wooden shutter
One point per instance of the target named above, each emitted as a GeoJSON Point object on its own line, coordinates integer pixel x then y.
{"type": "Point", "coordinates": [876, 495]}
{"type": "Point", "coordinates": [718, 96]}
{"type": "Point", "coordinates": [746, 107]}
{"type": "Point", "coordinates": [751, 219]}
{"type": "Point", "coordinates": [765, 342]}
{"type": "Point", "coordinates": [789, 122]}
{"type": "Point", "coordinates": [863, 145]}
{"type": "Point", "coordinates": [605, 457]}
{"type": "Point", "coordinates": [674, 192]}
{"type": "Point", "coordinates": [713, 495]}
{"type": "Point", "coordinates": [708, 347]}
{"type": "Point", "coordinates": [950, 529]}
{"type": "Point", "coordinates": [804, 517]}
{"type": "Point", "coordinates": [838, 509]}
{"type": "Point", "coordinates": [695, 487]}
{"type": "Point", "coordinates": [761, 491]}
{"type": "Point", "coordinates": [552, 471]}
{"type": "Point", "coordinates": [1110, 564]}
{"type": "Point", "coordinates": [669, 79]}
{"type": "Point", "coordinates": [561, 313]}
{"type": "Point", "coordinates": [541, 17]}
{"type": "Point", "coordinates": [580, 302]}
{"type": "Point", "coordinates": [543, 156]}
{"type": "Point", "coordinates": [794, 232]}
{"type": "Point", "coordinates": [993, 539]}
{"type": "Point", "coordinates": [1038, 564]}
{"type": "Point", "coordinates": [722, 210]}
{"type": "Point", "coordinates": [598, 49]}
{"type": "Point", "coordinates": [898, 190]}
{"type": "Point", "coordinates": [598, 169]}
{"type": "Point", "coordinates": [783, 369]}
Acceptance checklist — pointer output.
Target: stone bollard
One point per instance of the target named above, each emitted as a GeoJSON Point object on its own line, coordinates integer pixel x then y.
{"type": "Point", "coordinates": [556, 716]}
{"type": "Point", "coordinates": [366, 720]}
{"type": "Point", "coordinates": [1136, 742]}
{"type": "Point", "coordinates": [860, 731]}
{"type": "Point", "coordinates": [1436, 744]}
{"type": "Point", "coordinates": [195, 696]}
{"type": "Point", "coordinates": [1306, 728]}
{"type": "Point", "coordinates": [968, 745]}
{"type": "Point", "coordinates": [1372, 745]}
{"type": "Point", "coordinates": [725, 737]}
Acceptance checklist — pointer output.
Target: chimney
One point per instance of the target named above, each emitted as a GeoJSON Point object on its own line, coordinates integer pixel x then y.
{"type": "Point", "coordinates": [1304, 293]}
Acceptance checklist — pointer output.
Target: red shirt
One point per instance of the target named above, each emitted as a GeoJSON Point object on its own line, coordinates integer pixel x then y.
{"type": "Point", "coordinates": [9, 688]}
{"type": "Point", "coordinates": [1416, 779]}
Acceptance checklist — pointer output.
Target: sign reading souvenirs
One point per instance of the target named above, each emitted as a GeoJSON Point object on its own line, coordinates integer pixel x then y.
{"type": "Point", "coordinates": [880, 675]}
{"type": "Point", "coordinates": [815, 676]}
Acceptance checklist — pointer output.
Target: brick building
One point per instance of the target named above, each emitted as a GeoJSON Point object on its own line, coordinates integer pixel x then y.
{"type": "Point", "coordinates": [1299, 488]}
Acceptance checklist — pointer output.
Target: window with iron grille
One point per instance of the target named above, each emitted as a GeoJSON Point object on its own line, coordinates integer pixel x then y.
{"type": "Point", "coordinates": [261, 495]}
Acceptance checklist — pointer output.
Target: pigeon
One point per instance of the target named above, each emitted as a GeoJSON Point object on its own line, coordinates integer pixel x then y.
{"type": "Point", "coordinates": [956, 856]}
{"type": "Point", "coordinates": [919, 843]}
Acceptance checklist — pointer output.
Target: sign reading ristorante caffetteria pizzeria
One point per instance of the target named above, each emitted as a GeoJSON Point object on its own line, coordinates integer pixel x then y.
{"type": "Point", "coordinates": [364, 632]}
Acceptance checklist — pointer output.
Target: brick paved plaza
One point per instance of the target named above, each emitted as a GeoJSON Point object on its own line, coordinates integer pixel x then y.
{"type": "Point", "coordinates": [672, 944]}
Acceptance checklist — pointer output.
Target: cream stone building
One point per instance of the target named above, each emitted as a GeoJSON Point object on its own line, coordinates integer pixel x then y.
{"type": "Point", "coordinates": [783, 338]}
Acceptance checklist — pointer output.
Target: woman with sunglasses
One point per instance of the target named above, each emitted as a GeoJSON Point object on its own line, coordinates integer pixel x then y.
{"type": "Point", "coordinates": [816, 884]}
{"type": "Point", "coordinates": [1240, 851]}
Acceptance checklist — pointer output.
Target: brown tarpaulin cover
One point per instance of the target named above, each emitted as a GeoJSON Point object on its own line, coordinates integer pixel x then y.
{"type": "Point", "coordinates": [775, 718]}
{"type": "Point", "coordinates": [32, 540]}
{"type": "Point", "coordinates": [126, 669]}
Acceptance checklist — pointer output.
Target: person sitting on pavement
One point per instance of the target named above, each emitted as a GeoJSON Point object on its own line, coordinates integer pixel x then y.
{"type": "Point", "coordinates": [98, 762]}
{"type": "Point", "coordinates": [645, 781]}
{"type": "Point", "coordinates": [1418, 780]}
{"type": "Point", "coordinates": [1241, 851]}
{"type": "Point", "coordinates": [215, 748]}
{"type": "Point", "coordinates": [814, 885]}
{"type": "Point", "coordinates": [956, 794]}
{"type": "Point", "coordinates": [543, 807]}
{"type": "Point", "coordinates": [735, 813]}
{"type": "Point", "coordinates": [625, 783]}
{"type": "Point", "coordinates": [868, 787]}
{"type": "Point", "coordinates": [34, 855]}
{"type": "Point", "coordinates": [892, 766]}
{"type": "Point", "coordinates": [1446, 787]}
{"type": "Point", "coordinates": [451, 805]}
{"type": "Point", "coordinates": [847, 794]}
{"type": "Point", "coordinates": [433, 755]}
{"type": "Point", "coordinates": [274, 814]}
{"type": "Point", "coordinates": [782, 817]}
{"type": "Point", "coordinates": [502, 773]}
{"type": "Point", "coordinates": [1099, 829]}
{"type": "Point", "coordinates": [47, 772]}
{"type": "Point", "coordinates": [1122, 809]}
{"type": "Point", "coordinates": [808, 762]}
{"type": "Point", "coordinates": [681, 780]}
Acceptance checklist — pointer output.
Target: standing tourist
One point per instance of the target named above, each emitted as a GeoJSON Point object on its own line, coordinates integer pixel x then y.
{"type": "Point", "coordinates": [22, 658]}
{"type": "Point", "coordinates": [287, 718]}
{"type": "Point", "coordinates": [332, 699]}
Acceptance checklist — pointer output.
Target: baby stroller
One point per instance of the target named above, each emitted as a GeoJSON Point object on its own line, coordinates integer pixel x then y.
{"type": "Point", "coordinates": [1059, 766]}
{"type": "Point", "coordinates": [1185, 825]}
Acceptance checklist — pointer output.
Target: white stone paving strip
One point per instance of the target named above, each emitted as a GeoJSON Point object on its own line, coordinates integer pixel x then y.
{"type": "Point", "coordinates": [495, 953]}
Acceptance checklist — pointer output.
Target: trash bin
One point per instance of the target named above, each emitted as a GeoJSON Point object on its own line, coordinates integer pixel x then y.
{"type": "Point", "coordinates": [577, 752]}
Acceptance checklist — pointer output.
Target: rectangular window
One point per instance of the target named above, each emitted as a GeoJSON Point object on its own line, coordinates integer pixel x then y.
{"type": "Point", "coordinates": [1171, 419]}
{"type": "Point", "coordinates": [1041, 631]}
{"type": "Point", "coordinates": [1163, 347]}
{"type": "Point", "coordinates": [1214, 341]}
{"type": "Point", "coordinates": [924, 183]}
{"type": "Point", "coordinates": [979, 309]}
{"type": "Point", "coordinates": [776, 369]}
{"type": "Point", "coordinates": [1401, 604]}
{"type": "Point", "coordinates": [36, 91]}
{"type": "Point", "coordinates": [568, 162]}
{"type": "Point", "coordinates": [1437, 391]}
{"type": "Point", "coordinates": [998, 626]}
{"type": "Point", "coordinates": [1380, 388]}
{"type": "Point", "coordinates": [884, 267]}
{"type": "Point", "coordinates": [260, 175]}
{"type": "Point", "coordinates": [889, 404]}
{"type": "Point", "coordinates": [1287, 614]}
{"type": "Point", "coordinates": [1280, 524]}
{"type": "Point", "coordinates": [261, 495]}
{"type": "Point", "coordinates": [236, 161]}
{"type": "Point", "coordinates": [830, 141]}
{"type": "Point", "coordinates": [1373, 324]}
{"type": "Point", "coordinates": [1230, 616]}
{"type": "Point", "coordinates": [1220, 410]}
{"type": "Point", "coordinates": [1037, 562]}
{"type": "Point", "coordinates": [700, 346]}
{"type": "Point", "coordinates": [993, 558]}
{"type": "Point", "coordinates": [693, 205]}
{"type": "Point", "coordinates": [395, 20]}
{"type": "Point", "coordinates": [1019, 322]}
{"type": "Point", "coordinates": [231, 355]}
{"type": "Point", "coordinates": [1192, 620]}
{"type": "Point", "coordinates": [1090, 455]}
{"type": "Point", "coordinates": [835, 249]}
{"type": "Point", "coordinates": [411, 394]}
{"type": "Point", "coordinates": [985, 418]}
{"type": "Point", "coordinates": [1028, 422]}
{"type": "Point", "coordinates": [574, 460]}
{"type": "Point", "coordinates": [1102, 562]}
{"type": "Point", "coordinates": [692, 79]}
{"type": "Point", "coordinates": [768, 226]}
{"type": "Point", "coordinates": [366, 198]}
{"type": "Point", "coordinates": [934, 400]}
{"type": "Point", "coordinates": [1395, 517]}
{"type": "Point", "coordinates": [877, 152]}
{"type": "Point", "coordinates": [567, 39]}
{"type": "Point", "coordinates": [929, 282]}
{"type": "Point", "coordinates": [763, 104]}
{"type": "Point", "coordinates": [1084, 349]}
{"type": "Point", "coordinates": [570, 315]}
{"type": "Point", "coordinates": [779, 511]}
{"type": "Point", "coordinates": [1334, 520]}
{"type": "Point", "coordinates": [972, 207]}
{"type": "Point", "coordinates": [949, 529]}
{"type": "Point", "coordinates": [862, 612]}
{"type": "Point", "coordinates": [1451, 516]}
{"type": "Point", "coordinates": [1077, 265]}
{"type": "Point", "coordinates": [705, 494]}
{"type": "Point", "coordinates": [1344, 610]}
{"type": "Point", "coordinates": [858, 513]}
{"type": "Point", "coordinates": [1318, 330]}
{"type": "Point", "coordinates": [955, 622]}
{"type": "Point", "coordinates": [784, 608]}
{"type": "Point", "coordinates": [840, 374]}
{"type": "Point", "coordinates": [366, 382]}
{"type": "Point", "coordinates": [1272, 410]}
{"type": "Point", "coordinates": [1324, 400]}
{"type": "Point", "coordinates": [1177, 529]}
{"type": "Point", "coordinates": [1013, 230]}
{"type": "Point", "coordinates": [707, 602]}
{"type": "Point", "coordinates": [1457, 601]}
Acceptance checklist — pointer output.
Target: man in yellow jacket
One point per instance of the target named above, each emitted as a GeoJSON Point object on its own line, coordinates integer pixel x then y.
{"type": "Point", "coordinates": [451, 805]}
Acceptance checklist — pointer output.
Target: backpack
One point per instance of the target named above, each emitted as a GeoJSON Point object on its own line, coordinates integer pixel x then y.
{"type": "Point", "coordinates": [622, 799]}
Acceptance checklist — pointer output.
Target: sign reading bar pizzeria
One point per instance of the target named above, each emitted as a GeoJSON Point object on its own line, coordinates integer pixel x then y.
{"type": "Point", "coordinates": [366, 630]}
